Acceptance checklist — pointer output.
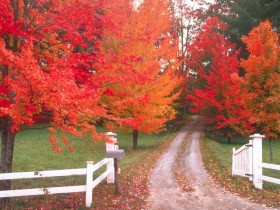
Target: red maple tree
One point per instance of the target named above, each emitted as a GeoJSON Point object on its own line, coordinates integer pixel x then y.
{"type": "Point", "coordinates": [216, 97]}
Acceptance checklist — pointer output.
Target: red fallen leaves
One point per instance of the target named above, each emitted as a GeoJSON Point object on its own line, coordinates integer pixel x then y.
{"type": "Point", "coordinates": [179, 170]}
{"type": "Point", "coordinates": [134, 192]}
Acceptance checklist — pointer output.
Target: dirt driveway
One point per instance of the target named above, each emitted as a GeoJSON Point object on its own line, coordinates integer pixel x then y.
{"type": "Point", "coordinates": [166, 195]}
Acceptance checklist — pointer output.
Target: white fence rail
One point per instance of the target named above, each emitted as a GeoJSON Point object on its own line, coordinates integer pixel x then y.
{"type": "Point", "coordinates": [247, 162]}
{"type": "Point", "coordinates": [272, 167]}
{"type": "Point", "coordinates": [43, 174]}
{"type": "Point", "coordinates": [88, 171]}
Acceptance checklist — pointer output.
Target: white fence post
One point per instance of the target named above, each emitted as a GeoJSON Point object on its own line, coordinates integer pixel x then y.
{"type": "Point", "coordinates": [89, 183]}
{"type": "Point", "coordinates": [257, 160]}
{"type": "Point", "coordinates": [250, 160]}
{"type": "Point", "coordinates": [233, 163]}
{"type": "Point", "coordinates": [110, 145]}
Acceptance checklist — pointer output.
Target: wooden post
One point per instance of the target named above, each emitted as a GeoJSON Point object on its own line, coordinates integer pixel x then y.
{"type": "Point", "coordinates": [116, 154]}
{"type": "Point", "coordinates": [117, 184]}
{"type": "Point", "coordinates": [257, 160]}
{"type": "Point", "coordinates": [112, 151]}
{"type": "Point", "coordinates": [89, 183]}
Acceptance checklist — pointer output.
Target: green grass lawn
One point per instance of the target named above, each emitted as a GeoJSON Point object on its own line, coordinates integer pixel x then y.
{"type": "Point", "coordinates": [217, 156]}
{"type": "Point", "coordinates": [33, 151]}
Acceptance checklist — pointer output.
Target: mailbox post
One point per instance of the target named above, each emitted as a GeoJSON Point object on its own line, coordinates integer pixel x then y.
{"type": "Point", "coordinates": [112, 151]}
{"type": "Point", "coordinates": [117, 154]}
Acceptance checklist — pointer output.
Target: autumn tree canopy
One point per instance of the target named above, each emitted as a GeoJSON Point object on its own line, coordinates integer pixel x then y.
{"type": "Point", "coordinates": [261, 83]}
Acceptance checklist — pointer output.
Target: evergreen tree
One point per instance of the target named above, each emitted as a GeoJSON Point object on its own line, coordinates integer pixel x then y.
{"type": "Point", "coordinates": [241, 16]}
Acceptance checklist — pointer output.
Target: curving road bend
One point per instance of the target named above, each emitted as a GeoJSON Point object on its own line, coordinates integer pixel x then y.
{"type": "Point", "coordinates": [166, 195]}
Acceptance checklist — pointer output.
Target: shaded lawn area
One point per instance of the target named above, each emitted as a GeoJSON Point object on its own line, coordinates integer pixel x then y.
{"type": "Point", "coordinates": [217, 157]}
{"type": "Point", "coordinates": [33, 152]}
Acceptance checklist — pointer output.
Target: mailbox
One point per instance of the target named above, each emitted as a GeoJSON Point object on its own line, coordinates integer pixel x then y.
{"type": "Point", "coordinates": [113, 140]}
{"type": "Point", "coordinates": [115, 153]}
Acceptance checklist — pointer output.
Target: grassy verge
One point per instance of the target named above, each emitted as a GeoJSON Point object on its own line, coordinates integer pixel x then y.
{"type": "Point", "coordinates": [216, 155]}
{"type": "Point", "coordinates": [33, 152]}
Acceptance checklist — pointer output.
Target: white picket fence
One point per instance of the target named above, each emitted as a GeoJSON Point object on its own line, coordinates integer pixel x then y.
{"type": "Point", "coordinates": [88, 171]}
{"type": "Point", "coordinates": [242, 161]}
{"type": "Point", "coordinates": [247, 162]}
{"type": "Point", "coordinates": [88, 187]}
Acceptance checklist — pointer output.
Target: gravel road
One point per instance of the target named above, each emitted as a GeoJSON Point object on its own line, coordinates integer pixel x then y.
{"type": "Point", "coordinates": [166, 195]}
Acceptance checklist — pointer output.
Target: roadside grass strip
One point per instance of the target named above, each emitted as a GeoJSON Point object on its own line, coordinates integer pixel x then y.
{"type": "Point", "coordinates": [216, 156]}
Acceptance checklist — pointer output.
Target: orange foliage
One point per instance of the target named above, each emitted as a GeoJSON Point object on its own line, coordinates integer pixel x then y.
{"type": "Point", "coordinates": [144, 38]}
{"type": "Point", "coordinates": [261, 84]}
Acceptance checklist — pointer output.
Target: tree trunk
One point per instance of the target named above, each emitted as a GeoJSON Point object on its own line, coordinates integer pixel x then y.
{"type": "Point", "coordinates": [270, 151]}
{"type": "Point", "coordinates": [7, 149]}
{"type": "Point", "coordinates": [135, 139]}
{"type": "Point", "coordinates": [7, 136]}
{"type": "Point", "coordinates": [7, 146]}
{"type": "Point", "coordinates": [229, 140]}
